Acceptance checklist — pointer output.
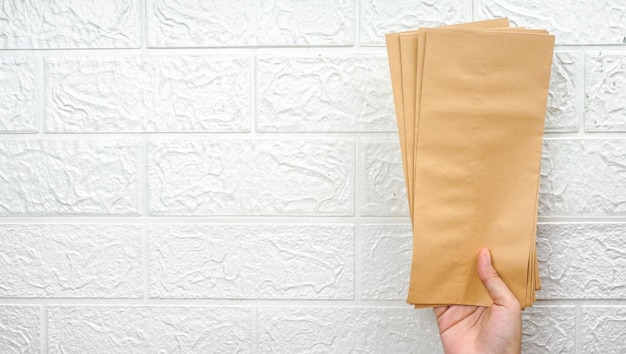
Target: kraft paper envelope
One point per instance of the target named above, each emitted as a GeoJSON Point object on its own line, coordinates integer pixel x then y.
{"type": "Point", "coordinates": [478, 153]}
{"type": "Point", "coordinates": [456, 140]}
{"type": "Point", "coordinates": [412, 55]}
{"type": "Point", "coordinates": [534, 281]}
{"type": "Point", "coordinates": [533, 275]}
{"type": "Point", "coordinates": [406, 127]}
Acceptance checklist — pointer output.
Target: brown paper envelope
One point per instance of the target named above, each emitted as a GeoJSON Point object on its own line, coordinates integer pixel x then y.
{"type": "Point", "coordinates": [413, 92]}
{"type": "Point", "coordinates": [533, 265]}
{"type": "Point", "coordinates": [407, 93]}
{"type": "Point", "coordinates": [481, 119]}
{"type": "Point", "coordinates": [395, 68]}
{"type": "Point", "coordinates": [420, 40]}
{"type": "Point", "coordinates": [534, 281]}
{"type": "Point", "coordinates": [408, 55]}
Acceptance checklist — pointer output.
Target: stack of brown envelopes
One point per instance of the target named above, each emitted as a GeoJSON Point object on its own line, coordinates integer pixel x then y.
{"type": "Point", "coordinates": [470, 101]}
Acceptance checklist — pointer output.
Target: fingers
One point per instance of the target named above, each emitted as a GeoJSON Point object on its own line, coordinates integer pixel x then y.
{"type": "Point", "coordinates": [497, 289]}
{"type": "Point", "coordinates": [440, 310]}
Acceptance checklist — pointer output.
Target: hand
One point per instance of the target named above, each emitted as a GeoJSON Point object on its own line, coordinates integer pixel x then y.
{"type": "Point", "coordinates": [475, 329]}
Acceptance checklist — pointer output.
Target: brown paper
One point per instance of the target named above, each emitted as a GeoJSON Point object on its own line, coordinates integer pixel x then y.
{"type": "Point", "coordinates": [403, 68]}
{"type": "Point", "coordinates": [470, 106]}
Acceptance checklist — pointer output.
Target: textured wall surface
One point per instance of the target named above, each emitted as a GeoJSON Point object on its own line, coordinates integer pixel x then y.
{"type": "Point", "coordinates": [181, 176]}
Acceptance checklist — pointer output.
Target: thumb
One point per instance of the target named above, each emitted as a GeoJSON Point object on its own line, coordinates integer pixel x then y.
{"type": "Point", "coordinates": [497, 289]}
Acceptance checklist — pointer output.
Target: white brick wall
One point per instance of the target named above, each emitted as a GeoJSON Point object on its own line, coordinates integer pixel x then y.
{"type": "Point", "coordinates": [18, 107]}
{"type": "Point", "coordinates": [154, 94]}
{"type": "Point", "coordinates": [224, 176]}
{"type": "Point", "coordinates": [149, 329]}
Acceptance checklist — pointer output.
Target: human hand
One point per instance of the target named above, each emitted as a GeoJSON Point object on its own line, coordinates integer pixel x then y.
{"type": "Point", "coordinates": [476, 329]}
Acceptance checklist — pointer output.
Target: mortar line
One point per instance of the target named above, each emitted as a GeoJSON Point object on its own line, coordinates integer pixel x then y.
{"type": "Point", "coordinates": [265, 303]}
{"type": "Point", "coordinates": [584, 135]}
{"type": "Point", "coordinates": [145, 50]}
{"type": "Point", "coordinates": [165, 219]}
{"type": "Point", "coordinates": [581, 219]}
{"type": "Point", "coordinates": [205, 302]}
{"type": "Point", "coordinates": [267, 219]}
{"type": "Point", "coordinates": [186, 136]}
{"type": "Point", "coordinates": [242, 50]}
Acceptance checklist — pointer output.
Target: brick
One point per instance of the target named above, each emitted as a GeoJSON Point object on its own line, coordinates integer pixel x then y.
{"type": "Point", "coordinates": [251, 177]}
{"type": "Point", "coordinates": [68, 177]}
{"type": "Point", "coordinates": [252, 261]}
{"type": "Point", "coordinates": [18, 105]}
{"type": "Point", "coordinates": [562, 114]}
{"type": "Point", "coordinates": [347, 330]}
{"type": "Point", "coordinates": [159, 94]}
{"type": "Point", "coordinates": [324, 94]}
{"type": "Point", "coordinates": [383, 190]}
{"type": "Point", "coordinates": [143, 329]}
{"type": "Point", "coordinates": [605, 92]}
{"type": "Point", "coordinates": [56, 260]}
{"type": "Point", "coordinates": [603, 329]}
{"type": "Point", "coordinates": [386, 261]}
{"type": "Point", "coordinates": [549, 330]}
{"type": "Point", "coordinates": [380, 17]}
{"type": "Point", "coordinates": [583, 177]}
{"type": "Point", "coordinates": [599, 269]}
{"type": "Point", "coordinates": [20, 329]}
{"type": "Point", "coordinates": [35, 24]}
{"type": "Point", "coordinates": [603, 21]}
{"type": "Point", "coordinates": [244, 23]}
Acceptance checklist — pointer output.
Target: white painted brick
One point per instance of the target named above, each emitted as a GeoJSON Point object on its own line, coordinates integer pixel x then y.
{"type": "Point", "coordinates": [55, 260]}
{"type": "Point", "coordinates": [572, 22]}
{"type": "Point", "coordinates": [322, 94]}
{"type": "Point", "coordinates": [162, 329]}
{"type": "Point", "coordinates": [35, 24]}
{"type": "Point", "coordinates": [386, 261]}
{"type": "Point", "coordinates": [18, 106]}
{"type": "Point", "coordinates": [380, 17]}
{"type": "Point", "coordinates": [347, 330]}
{"type": "Point", "coordinates": [239, 23]}
{"type": "Point", "coordinates": [562, 112]}
{"type": "Point", "coordinates": [605, 92]}
{"type": "Point", "coordinates": [383, 190]}
{"type": "Point", "coordinates": [582, 261]}
{"type": "Point", "coordinates": [252, 261]}
{"type": "Point", "coordinates": [549, 330]}
{"type": "Point", "coordinates": [604, 329]}
{"type": "Point", "coordinates": [583, 177]}
{"type": "Point", "coordinates": [68, 177]}
{"type": "Point", "coordinates": [161, 94]}
{"type": "Point", "coordinates": [20, 329]}
{"type": "Point", "coordinates": [252, 177]}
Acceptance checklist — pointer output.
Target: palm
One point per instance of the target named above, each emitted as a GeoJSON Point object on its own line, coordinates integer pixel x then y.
{"type": "Point", "coordinates": [474, 329]}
